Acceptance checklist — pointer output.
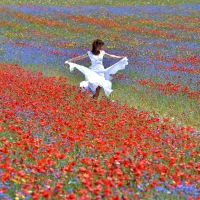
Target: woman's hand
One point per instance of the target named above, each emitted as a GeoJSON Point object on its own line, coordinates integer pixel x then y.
{"type": "Point", "coordinates": [66, 62]}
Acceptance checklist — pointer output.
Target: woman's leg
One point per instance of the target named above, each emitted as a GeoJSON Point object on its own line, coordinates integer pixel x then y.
{"type": "Point", "coordinates": [96, 95]}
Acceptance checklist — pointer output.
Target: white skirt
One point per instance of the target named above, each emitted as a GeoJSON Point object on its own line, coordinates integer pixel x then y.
{"type": "Point", "coordinates": [95, 79]}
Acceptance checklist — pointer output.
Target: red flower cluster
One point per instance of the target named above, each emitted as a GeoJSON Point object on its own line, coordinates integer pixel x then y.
{"type": "Point", "coordinates": [170, 88]}
{"type": "Point", "coordinates": [55, 138]}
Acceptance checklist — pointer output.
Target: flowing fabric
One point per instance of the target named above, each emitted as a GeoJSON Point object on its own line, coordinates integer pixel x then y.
{"type": "Point", "coordinates": [96, 75]}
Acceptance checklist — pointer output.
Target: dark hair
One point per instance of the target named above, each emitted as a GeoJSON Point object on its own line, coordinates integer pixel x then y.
{"type": "Point", "coordinates": [95, 44]}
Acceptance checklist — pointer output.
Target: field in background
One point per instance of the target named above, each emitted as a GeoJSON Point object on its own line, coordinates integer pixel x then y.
{"type": "Point", "coordinates": [161, 43]}
{"type": "Point", "coordinates": [100, 2]}
{"type": "Point", "coordinates": [59, 143]}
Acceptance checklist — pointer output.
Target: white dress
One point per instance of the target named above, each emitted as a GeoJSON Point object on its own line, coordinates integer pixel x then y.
{"type": "Point", "coordinates": [96, 75]}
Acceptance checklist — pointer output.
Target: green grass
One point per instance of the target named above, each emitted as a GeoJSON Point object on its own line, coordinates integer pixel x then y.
{"type": "Point", "coordinates": [100, 2]}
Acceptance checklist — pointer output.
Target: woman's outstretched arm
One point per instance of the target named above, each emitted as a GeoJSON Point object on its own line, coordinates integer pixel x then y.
{"type": "Point", "coordinates": [112, 56]}
{"type": "Point", "coordinates": [78, 58]}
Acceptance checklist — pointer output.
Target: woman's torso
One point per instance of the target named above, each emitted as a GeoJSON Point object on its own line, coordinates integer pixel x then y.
{"type": "Point", "coordinates": [96, 61]}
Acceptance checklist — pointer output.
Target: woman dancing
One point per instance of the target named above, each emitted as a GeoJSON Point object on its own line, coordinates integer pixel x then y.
{"type": "Point", "coordinates": [96, 75]}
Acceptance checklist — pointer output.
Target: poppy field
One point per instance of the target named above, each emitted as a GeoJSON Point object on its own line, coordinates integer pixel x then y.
{"type": "Point", "coordinates": [142, 142]}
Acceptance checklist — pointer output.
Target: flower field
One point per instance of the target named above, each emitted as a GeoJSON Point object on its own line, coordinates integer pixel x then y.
{"type": "Point", "coordinates": [140, 143]}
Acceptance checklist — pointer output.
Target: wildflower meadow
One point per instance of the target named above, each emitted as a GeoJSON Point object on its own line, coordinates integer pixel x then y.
{"type": "Point", "coordinates": [141, 142]}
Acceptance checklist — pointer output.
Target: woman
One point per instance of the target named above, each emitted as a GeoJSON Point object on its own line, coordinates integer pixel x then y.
{"type": "Point", "coordinates": [97, 76]}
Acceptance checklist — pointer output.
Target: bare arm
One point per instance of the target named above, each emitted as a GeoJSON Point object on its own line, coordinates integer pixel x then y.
{"type": "Point", "coordinates": [112, 56]}
{"type": "Point", "coordinates": [78, 58]}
